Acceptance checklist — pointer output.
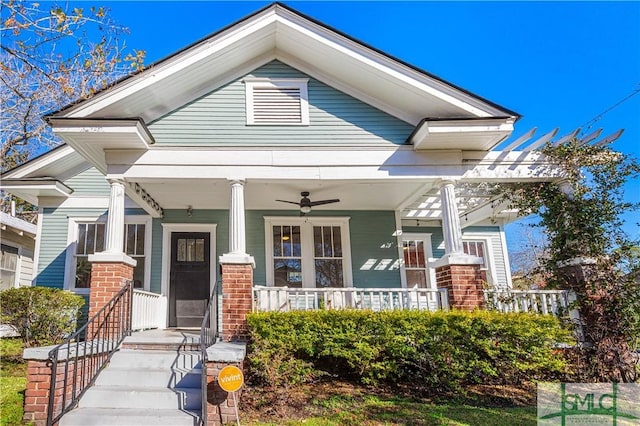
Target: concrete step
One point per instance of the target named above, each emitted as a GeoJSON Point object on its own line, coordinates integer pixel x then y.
{"type": "Point", "coordinates": [155, 359]}
{"type": "Point", "coordinates": [141, 397]}
{"type": "Point", "coordinates": [149, 377]}
{"type": "Point", "coordinates": [129, 417]}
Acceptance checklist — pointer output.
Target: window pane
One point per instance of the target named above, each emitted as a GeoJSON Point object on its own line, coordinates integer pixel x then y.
{"type": "Point", "coordinates": [182, 250]}
{"type": "Point", "coordinates": [420, 254]}
{"type": "Point", "coordinates": [317, 241]}
{"type": "Point", "coordinates": [295, 238]}
{"type": "Point", "coordinates": [9, 258]}
{"type": "Point", "coordinates": [286, 241]}
{"type": "Point", "coordinates": [7, 279]}
{"type": "Point", "coordinates": [277, 241]}
{"type": "Point", "coordinates": [140, 240]}
{"type": "Point", "coordinates": [416, 277]}
{"type": "Point", "coordinates": [327, 240]}
{"type": "Point", "coordinates": [138, 273]}
{"type": "Point", "coordinates": [82, 237]}
{"type": "Point", "coordinates": [329, 273]}
{"type": "Point", "coordinates": [287, 272]}
{"type": "Point", "coordinates": [337, 241]}
{"type": "Point", "coordinates": [200, 250]}
{"type": "Point", "coordinates": [91, 238]}
{"type": "Point", "coordinates": [83, 272]}
{"type": "Point", "coordinates": [100, 228]}
{"type": "Point", "coordinates": [130, 242]}
{"type": "Point", "coordinates": [191, 249]}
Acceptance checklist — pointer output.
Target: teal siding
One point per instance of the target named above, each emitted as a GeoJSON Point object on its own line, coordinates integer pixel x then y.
{"type": "Point", "coordinates": [219, 119]}
{"type": "Point", "coordinates": [90, 183]}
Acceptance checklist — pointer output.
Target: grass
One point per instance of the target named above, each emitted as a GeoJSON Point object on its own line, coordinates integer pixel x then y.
{"type": "Point", "coordinates": [13, 372]}
{"type": "Point", "coordinates": [337, 404]}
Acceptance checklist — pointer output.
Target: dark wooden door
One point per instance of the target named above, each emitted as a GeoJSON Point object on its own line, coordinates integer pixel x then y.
{"type": "Point", "coordinates": [190, 278]}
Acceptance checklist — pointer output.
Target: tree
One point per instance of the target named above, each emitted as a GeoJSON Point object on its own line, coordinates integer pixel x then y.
{"type": "Point", "coordinates": [48, 59]}
{"type": "Point", "coordinates": [589, 253]}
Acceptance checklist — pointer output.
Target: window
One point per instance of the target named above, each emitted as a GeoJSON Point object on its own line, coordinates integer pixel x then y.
{"type": "Point", "coordinates": [476, 248]}
{"type": "Point", "coordinates": [277, 101]}
{"type": "Point", "coordinates": [416, 251]}
{"type": "Point", "coordinates": [87, 236]}
{"type": "Point", "coordinates": [8, 266]}
{"type": "Point", "coordinates": [305, 252]}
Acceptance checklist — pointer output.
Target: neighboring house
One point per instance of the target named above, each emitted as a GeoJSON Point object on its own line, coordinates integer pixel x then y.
{"type": "Point", "coordinates": [18, 238]}
{"type": "Point", "coordinates": [270, 107]}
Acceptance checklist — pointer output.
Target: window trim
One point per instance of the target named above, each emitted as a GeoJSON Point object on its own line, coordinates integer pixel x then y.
{"type": "Point", "coordinates": [491, 264]}
{"type": "Point", "coordinates": [72, 241]}
{"type": "Point", "coordinates": [306, 236]}
{"type": "Point", "coordinates": [284, 83]}
{"type": "Point", "coordinates": [429, 259]}
{"type": "Point", "coordinates": [18, 271]}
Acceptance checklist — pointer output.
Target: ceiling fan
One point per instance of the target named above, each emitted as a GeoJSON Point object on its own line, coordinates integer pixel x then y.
{"type": "Point", "coordinates": [305, 203]}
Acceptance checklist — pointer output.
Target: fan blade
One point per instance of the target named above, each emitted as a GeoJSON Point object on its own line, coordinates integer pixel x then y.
{"type": "Point", "coordinates": [321, 202]}
{"type": "Point", "coordinates": [290, 202]}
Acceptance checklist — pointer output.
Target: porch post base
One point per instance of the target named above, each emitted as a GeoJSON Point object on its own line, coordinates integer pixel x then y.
{"type": "Point", "coordinates": [237, 289]}
{"type": "Point", "coordinates": [221, 408]}
{"type": "Point", "coordinates": [462, 277]}
{"type": "Point", "coordinates": [109, 273]}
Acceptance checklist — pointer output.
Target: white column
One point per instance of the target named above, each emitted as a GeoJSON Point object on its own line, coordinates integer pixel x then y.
{"type": "Point", "coordinates": [115, 218]}
{"type": "Point", "coordinates": [451, 229]}
{"type": "Point", "coordinates": [237, 235]}
{"type": "Point", "coordinates": [114, 244]}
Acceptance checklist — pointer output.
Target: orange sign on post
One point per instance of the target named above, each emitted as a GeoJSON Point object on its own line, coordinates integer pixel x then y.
{"type": "Point", "coordinates": [230, 378]}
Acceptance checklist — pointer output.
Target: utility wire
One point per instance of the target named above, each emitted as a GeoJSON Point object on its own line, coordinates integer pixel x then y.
{"type": "Point", "coordinates": [589, 123]}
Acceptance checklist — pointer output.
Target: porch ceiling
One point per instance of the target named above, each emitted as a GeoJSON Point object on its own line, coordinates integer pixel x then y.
{"type": "Point", "coordinates": [415, 200]}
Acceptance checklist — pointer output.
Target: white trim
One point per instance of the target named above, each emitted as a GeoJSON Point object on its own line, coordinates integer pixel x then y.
{"type": "Point", "coordinates": [83, 202]}
{"type": "Point", "coordinates": [167, 230]}
{"type": "Point", "coordinates": [306, 224]}
{"type": "Point", "coordinates": [398, 234]}
{"type": "Point", "coordinates": [72, 237]}
{"type": "Point", "coordinates": [38, 163]}
{"type": "Point", "coordinates": [505, 256]}
{"type": "Point", "coordinates": [487, 239]}
{"type": "Point", "coordinates": [428, 257]}
{"type": "Point", "coordinates": [36, 250]}
{"type": "Point", "coordinates": [278, 83]}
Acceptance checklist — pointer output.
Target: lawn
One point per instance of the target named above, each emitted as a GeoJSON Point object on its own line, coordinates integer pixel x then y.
{"type": "Point", "coordinates": [338, 403]}
{"type": "Point", "coordinates": [12, 381]}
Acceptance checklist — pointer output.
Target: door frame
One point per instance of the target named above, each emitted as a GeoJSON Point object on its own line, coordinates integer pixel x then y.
{"type": "Point", "coordinates": [167, 230]}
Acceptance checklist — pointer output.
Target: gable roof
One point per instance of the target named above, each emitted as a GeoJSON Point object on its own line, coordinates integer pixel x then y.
{"type": "Point", "coordinates": [279, 32]}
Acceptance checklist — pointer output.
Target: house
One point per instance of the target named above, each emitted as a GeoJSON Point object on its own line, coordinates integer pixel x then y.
{"type": "Point", "coordinates": [287, 147]}
{"type": "Point", "coordinates": [18, 239]}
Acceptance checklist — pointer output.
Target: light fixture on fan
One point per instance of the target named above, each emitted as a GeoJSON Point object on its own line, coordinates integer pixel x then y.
{"type": "Point", "coordinates": [306, 204]}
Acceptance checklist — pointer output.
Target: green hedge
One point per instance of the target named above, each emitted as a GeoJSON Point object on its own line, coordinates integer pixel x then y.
{"type": "Point", "coordinates": [41, 315]}
{"type": "Point", "coordinates": [437, 349]}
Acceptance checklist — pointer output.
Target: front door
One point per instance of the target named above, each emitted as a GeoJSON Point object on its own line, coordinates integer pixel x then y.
{"type": "Point", "coordinates": [190, 278]}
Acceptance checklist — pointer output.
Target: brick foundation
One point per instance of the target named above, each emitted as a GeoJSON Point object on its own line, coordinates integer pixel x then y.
{"type": "Point", "coordinates": [237, 286]}
{"type": "Point", "coordinates": [464, 284]}
{"type": "Point", "coordinates": [107, 279]}
{"type": "Point", "coordinates": [220, 406]}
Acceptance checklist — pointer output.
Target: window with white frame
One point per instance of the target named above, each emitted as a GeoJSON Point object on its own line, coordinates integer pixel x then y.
{"type": "Point", "coordinates": [8, 266]}
{"type": "Point", "coordinates": [476, 248]}
{"type": "Point", "coordinates": [276, 101]}
{"type": "Point", "coordinates": [416, 252]}
{"type": "Point", "coordinates": [305, 252]}
{"type": "Point", "coordinates": [87, 237]}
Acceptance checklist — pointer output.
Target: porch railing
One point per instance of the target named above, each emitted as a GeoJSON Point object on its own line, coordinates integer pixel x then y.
{"type": "Point", "coordinates": [555, 302]}
{"type": "Point", "coordinates": [76, 362]}
{"type": "Point", "coordinates": [148, 310]}
{"type": "Point", "coordinates": [377, 299]}
{"type": "Point", "coordinates": [208, 336]}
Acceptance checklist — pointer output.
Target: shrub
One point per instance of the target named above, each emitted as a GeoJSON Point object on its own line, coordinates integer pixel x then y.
{"type": "Point", "coordinates": [41, 315]}
{"type": "Point", "coordinates": [436, 349]}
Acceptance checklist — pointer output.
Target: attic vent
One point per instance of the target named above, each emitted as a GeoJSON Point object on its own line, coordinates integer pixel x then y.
{"type": "Point", "coordinates": [277, 102]}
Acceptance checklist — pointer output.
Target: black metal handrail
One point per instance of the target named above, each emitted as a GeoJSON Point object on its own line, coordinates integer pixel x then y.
{"type": "Point", "coordinates": [208, 336]}
{"type": "Point", "coordinates": [86, 352]}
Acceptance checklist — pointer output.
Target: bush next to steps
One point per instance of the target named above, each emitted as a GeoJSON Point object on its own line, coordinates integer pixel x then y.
{"type": "Point", "coordinates": [41, 315]}
{"type": "Point", "coordinates": [438, 350]}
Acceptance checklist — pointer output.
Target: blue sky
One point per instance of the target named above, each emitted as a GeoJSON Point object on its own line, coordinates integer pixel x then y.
{"type": "Point", "coordinates": [558, 64]}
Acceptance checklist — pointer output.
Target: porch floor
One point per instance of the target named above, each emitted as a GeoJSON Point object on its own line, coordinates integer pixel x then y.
{"type": "Point", "coordinates": [167, 338]}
